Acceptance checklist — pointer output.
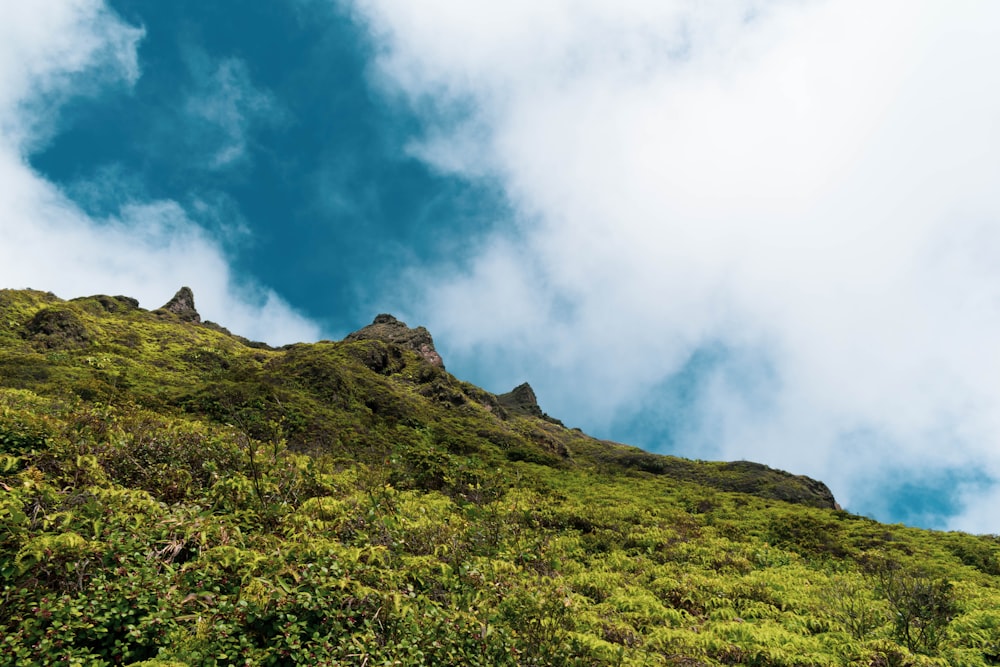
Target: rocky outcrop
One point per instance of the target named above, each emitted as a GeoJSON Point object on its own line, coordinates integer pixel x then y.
{"type": "Point", "coordinates": [182, 305]}
{"type": "Point", "coordinates": [781, 484]}
{"type": "Point", "coordinates": [521, 400]}
{"type": "Point", "coordinates": [387, 328]}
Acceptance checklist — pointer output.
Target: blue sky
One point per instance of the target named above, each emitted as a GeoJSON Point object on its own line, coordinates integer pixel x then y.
{"type": "Point", "coordinates": [760, 230]}
{"type": "Point", "coordinates": [263, 125]}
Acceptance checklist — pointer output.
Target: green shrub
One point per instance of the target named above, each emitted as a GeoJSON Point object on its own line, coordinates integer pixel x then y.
{"type": "Point", "coordinates": [922, 606]}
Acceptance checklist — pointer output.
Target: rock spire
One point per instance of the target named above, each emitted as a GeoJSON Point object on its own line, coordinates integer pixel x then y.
{"type": "Point", "coordinates": [182, 305]}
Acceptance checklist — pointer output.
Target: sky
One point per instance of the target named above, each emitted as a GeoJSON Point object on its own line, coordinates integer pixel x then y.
{"type": "Point", "coordinates": [721, 230]}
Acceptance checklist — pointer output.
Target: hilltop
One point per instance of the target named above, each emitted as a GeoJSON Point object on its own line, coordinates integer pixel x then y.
{"type": "Point", "coordinates": [171, 491]}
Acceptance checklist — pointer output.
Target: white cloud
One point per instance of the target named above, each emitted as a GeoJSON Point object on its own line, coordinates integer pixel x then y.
{"type": "Point", "coordinates": [810, 184]}
{"type": "Point", "coordinates": [223, 109]}
{"type": "Point", "coordinates": [45, 44]}
{"type": "Point", "coordinates": [50, 51]}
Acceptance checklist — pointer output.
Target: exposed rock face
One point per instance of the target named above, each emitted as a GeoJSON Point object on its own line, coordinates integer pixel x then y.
{"type": "Point", "coordinates": [522, 400]}
{"type": "Point", "coordinates": [387, 328]}
{"type": "Point", "coordinates": [182, 305]}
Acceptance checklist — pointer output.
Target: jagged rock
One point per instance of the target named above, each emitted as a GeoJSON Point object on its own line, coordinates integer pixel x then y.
{"type": "Point", "coordinates": [387, 328]}
{"type": "Point", "coordinates": [522, 400]}
{"type": "Point", "coordinates": [182, 305]}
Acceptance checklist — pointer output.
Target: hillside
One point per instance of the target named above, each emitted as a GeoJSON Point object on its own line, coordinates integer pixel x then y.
{"type": "Point", "coordinates": [176, 494]}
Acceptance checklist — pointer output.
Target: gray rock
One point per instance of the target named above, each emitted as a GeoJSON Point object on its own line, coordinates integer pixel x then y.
{"type": "Point", "coordinates": [387, 328]}
{"type": "Point", "coordinates": [182, 305]}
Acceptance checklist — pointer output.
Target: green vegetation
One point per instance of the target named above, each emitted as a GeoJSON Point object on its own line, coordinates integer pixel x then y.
{"type": "Point", "coordinates": [171, 494]}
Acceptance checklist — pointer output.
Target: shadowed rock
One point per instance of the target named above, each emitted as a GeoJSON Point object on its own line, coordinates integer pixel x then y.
{"type": "Point", "coordinates": [387, 328]}
{"type": "Point", "coordinates": [521, 400]}
{"type": "Point", "coordinates": [182, 305]}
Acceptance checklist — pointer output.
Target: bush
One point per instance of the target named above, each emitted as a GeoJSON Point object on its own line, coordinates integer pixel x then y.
{"type": "Point", "coordinates": [922, 606]}
{"type": "Point", "coordinates": [853, 605]}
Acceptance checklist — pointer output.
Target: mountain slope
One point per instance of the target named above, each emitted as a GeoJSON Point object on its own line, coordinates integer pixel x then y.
{"type": "Point", "coordinates": [169, 490]}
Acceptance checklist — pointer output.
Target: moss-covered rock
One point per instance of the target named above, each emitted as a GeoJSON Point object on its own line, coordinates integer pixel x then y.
{"type": "Point", "coordinates": [57, 328]}
{"type": "Point", "coordinates": [387, 328]}
{"type": "Point", "coordinates": [182, 306]}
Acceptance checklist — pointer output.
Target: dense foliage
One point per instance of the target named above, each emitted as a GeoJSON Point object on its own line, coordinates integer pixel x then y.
{"type": "Point", "coordinates": [173, 494]}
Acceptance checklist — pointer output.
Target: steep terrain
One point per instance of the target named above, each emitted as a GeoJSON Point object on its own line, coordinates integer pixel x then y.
{"type": "Point", "coordinates": [170, 491]}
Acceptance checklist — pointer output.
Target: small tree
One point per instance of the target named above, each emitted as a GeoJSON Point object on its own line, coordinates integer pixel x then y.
{"type": "Point", "coordinates": [922, 606]}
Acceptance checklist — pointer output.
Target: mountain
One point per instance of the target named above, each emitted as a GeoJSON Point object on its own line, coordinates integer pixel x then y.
{"type": "Point", "coordinates": [172, 493]}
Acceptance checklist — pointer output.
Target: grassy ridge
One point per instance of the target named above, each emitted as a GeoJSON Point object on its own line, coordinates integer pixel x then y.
{"type": "Point", "coordinates": [170, 492]}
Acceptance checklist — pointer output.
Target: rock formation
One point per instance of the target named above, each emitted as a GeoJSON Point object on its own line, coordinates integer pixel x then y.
{"type": "Point", "coordinates": [387, 328]}
{"type": "Point", "coordinates": [521, 400]}
{"type": "Point", "coordinates": [182, 305]}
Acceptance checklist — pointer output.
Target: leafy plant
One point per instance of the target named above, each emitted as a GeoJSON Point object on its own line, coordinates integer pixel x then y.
{"type": "Point", "coordinates": [922, 606]}
{"type": "Point", "coordinates": [173, 494]}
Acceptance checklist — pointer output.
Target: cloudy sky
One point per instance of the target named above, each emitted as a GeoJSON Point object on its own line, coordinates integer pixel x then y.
{"type": "Point", "coordinates": [724, 230]}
